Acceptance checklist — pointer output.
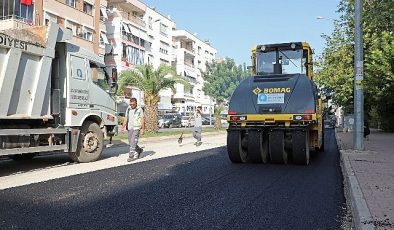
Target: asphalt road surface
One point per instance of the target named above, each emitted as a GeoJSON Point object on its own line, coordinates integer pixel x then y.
{"type": "Point", "coordinates": [200, 190]}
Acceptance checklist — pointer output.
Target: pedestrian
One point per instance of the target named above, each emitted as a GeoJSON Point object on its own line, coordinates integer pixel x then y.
{"type": "Point", "coordinates": [367, 131]}
{"type": "Point", "coordinates": [197, 126]}
{"type": "Point", "coordinates": [134, 123]}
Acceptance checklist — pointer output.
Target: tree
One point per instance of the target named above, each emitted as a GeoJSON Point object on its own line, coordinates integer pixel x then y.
{"type": "Point", "coordinates": [217, 114]}
{"type": "Point", "coordinates": [337, 62]}
{"type": "Point", "coordinates": [222, 78]}
{"type": "Point", "coordinates": [150, 81]}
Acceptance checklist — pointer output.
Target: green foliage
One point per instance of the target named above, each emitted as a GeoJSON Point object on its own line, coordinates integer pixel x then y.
{"type": "Point", "coordinates": [337, 62]}
{"type": "Point", "coordinates": [147, 79]}
{"type": "Point", "coordinates": [150, 81]}
{"type": "Point", "coordinates": [222, 78]}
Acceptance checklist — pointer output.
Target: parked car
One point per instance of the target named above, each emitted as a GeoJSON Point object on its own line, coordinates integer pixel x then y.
{"type": "Point", "coordinates": [223, 119]}
{"type": "Point", "coordinates": [205, 120]}
{"type": "Point", "coordinates": [187, 121]}
{"type": "Point", "coordinates": [170, 121]}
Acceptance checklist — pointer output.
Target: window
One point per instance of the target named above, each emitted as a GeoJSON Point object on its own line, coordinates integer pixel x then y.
{"type": "Point", "coordinates": [48, 17]}
{"type": "Point", "coordinates": [103, 39]}
{"type": "Point", "coordinates": [133, 55]}
{"type": "Point", "coordinates": [163, 29]}
{"type": "Point", "coordinates": [164, 62]}
{"type": "Point", "coordinates": [98, 77]}
{"type": "Point", "coordinates": [70, 3]}
{"type": "Point", "coordinates": [87, 8]}
{"type": "Point", "coordinates": [164, 51]}
{"type": "Point", "coordinates": [291, 61]}
{"type": "Point", "coordinates": [23, 10]}
{"type": "Point", "coordinates": [103, 14]}
{"type": "Point", "coordinates": [150, 22]}
{"type": "Point", "coordinates": [88, 34]}
{"type": "Point", "coordinates": [73, 27]}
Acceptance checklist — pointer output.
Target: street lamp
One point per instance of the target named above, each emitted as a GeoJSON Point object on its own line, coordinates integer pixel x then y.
{"type": "Point", "coordinates": [324, 18]}
{"type": "Point", "coordinates": [358, 141]}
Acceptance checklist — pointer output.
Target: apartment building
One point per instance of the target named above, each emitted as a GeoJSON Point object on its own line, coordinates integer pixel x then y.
{"type": "Point", "coordinates": [85, 18]}
{"type": "Point", "coordinates": [191, 56]}
{"type": "Point", "coordinates": [160, 31]}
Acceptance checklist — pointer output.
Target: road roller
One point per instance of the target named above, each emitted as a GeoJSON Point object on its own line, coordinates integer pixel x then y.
{"type": "Point", "coordinates": [276, 115]}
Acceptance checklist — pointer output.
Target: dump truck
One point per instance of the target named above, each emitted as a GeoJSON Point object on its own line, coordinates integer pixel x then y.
{"type": "Point", "coordinates": [54, 95]}
{"type": "Point", "coordinates": [276, 115]}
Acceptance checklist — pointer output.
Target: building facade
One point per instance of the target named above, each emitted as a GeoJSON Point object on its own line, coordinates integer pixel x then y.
{"type": "Point", "coordinates": [191, 56]}
{"type": "Point", "coordinates": [86, 19]}
{"type": "Point", "coordinates": [133, 33]}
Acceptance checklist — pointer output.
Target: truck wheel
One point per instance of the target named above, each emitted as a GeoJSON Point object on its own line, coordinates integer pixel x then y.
{"type": "Point", "coordinates": [256, 150]}
{"type": "Point", "coordinates": [300, 144]}
{"type": "Point", "coordinates": [22, 157]}
{"type": "Point", "coordinates": [276, 144]}
{"type": "Point", "coordinates": [235, 152]}
{"type": "Point", "coordinates": [90, 143]}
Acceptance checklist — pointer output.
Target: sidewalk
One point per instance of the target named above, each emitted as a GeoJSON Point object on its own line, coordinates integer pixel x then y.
{"type": "Point", "coordinates": [369, 175]}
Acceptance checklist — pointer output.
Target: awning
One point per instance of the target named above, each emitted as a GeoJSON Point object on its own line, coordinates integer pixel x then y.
{"type": "Point", "coordinates": [104, 12]}
{"type": "Point", "coordinates": [126, 28]}
{"type": "Point", "coordinates": [104, 37]}
{"type": "Point", "coordinates": [138, 33]}
{"type": "Point", "coordinates": [190, 73]}
{"type": "Point", "coordinates": [131, 28]}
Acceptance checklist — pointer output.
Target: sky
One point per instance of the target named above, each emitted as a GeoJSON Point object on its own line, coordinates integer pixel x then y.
{"type": "Point", "coordinates": [234, 27]}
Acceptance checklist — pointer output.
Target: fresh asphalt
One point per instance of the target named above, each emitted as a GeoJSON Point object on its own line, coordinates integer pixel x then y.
{"type": "Point", "coordinates": [200, 190]}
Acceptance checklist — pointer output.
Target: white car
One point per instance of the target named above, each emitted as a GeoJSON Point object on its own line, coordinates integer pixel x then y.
{"type": "Point", "coordinates": [187, 121]}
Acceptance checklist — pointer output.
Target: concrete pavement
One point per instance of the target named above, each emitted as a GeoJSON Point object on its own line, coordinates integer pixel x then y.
{"type": "Point", "coordinates": [115, 156]}
{"type": "Point", "coordinates": [369, 175]}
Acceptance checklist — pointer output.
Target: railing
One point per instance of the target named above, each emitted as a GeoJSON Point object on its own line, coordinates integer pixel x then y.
{"type": "Point", "coordinates": [189, 79]}
{"type": "Point", "coordinates": [15, 17]}
{"type": "Point", "coordinates": [134, 19]}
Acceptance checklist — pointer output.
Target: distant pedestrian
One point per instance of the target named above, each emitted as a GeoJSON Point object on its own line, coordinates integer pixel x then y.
{"type": "Point", "coordinates": [134, 123]}
{"type": "Point", "coordinates": [367, 131]}
{"type": "Point", "coordinates": [197, 126]}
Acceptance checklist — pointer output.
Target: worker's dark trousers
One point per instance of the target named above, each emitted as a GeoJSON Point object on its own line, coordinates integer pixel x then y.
{"type": "Point", "coordinates": [197, 133]}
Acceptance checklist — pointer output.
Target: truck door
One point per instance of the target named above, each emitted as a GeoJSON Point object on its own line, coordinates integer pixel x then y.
{"type": "Point", "coordinates": [78, 86]}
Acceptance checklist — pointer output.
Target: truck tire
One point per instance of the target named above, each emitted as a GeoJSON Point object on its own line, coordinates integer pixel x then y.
{"type": "Point", "coordinates": [257, 149]}
{"type": "Point", "coordinates": [22, 157]}
{"type": "Point", "coordinates": [235, 152]}
{"type": "Point", "coordinates": [300, 144]}
{"type": "Point", "coordinates": [278, 154]}
{"type": "Point", "coordinates": [90, 143]}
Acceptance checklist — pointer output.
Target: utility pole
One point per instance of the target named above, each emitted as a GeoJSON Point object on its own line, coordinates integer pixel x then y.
{"type": "Point", "coordinates": [358, 141]}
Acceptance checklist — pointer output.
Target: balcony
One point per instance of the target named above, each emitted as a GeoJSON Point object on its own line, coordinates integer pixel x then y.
{"type": "Point", "coordinates": [136, 20]}
{"type": "Point", "coordinates": [189, 79]}
{"type": "Point", "coordinates": [14, 22]}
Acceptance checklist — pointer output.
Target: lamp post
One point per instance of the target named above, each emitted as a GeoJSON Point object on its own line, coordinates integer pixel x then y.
{"type": "Point", "coordinates": [358, 141]}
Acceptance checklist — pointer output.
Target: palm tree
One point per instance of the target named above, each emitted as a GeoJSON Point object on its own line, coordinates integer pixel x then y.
{"type": "Point", "coordinates": [150, 81]}
{"type": "Point", "coordinates": [217, 112]}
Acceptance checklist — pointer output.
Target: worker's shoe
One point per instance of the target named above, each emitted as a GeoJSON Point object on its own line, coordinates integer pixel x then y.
{"type": "Point", "coordinates": [198, 143]}
{"type": "Point", "coordinates": [135, 157]}
{"type": "Point", "coordinates": [139, 150]}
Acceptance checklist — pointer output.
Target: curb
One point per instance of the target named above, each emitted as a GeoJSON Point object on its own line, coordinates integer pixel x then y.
{"type": "Point", "coordinates": [360, 211]}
